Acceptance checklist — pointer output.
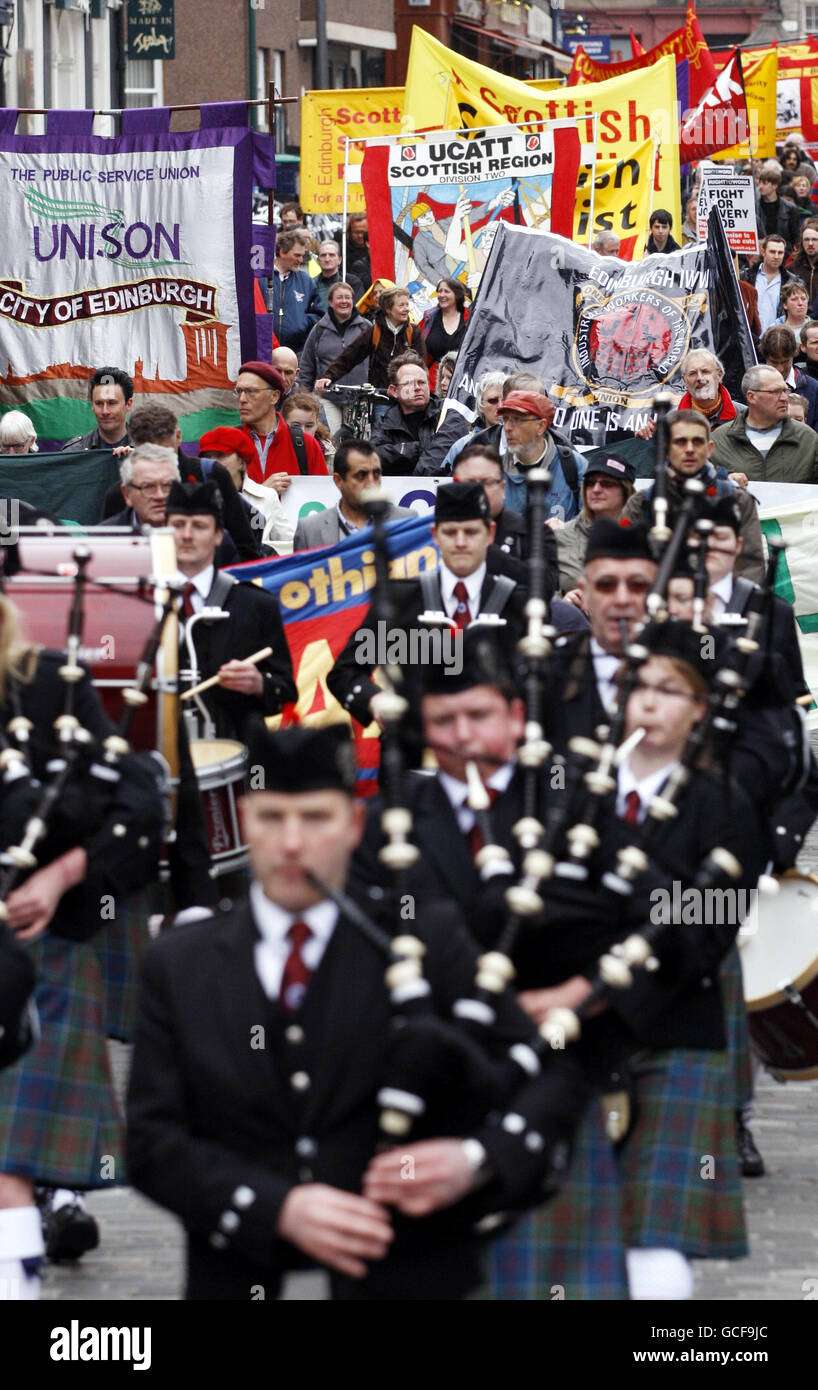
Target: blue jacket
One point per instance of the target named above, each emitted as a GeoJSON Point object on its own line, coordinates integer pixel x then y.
{"type": "Point", "coordinates": [295, 304]}
{"type": "Point", "coordinates": [559, 500]}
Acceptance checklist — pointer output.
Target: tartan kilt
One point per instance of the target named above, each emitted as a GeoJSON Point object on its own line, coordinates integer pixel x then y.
{"type": "Point", "coordinates": [119, 948]}
{"type": "Point", "coordinates": [649, 1192]}
{"type": "Point", "coordinates": [572, 1248]}
{"type": "Point", "coordinates": [736, 1026]}
{"type": "Point", "coordinates": [684, 1128]}
{"type": "Point", "coordinates": [59, 1122]}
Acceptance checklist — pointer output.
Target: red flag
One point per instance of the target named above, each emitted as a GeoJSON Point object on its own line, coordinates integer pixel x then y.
{"type": "Point", "coordinates": [688, 43]}
{"type": "Point", "coordinates": [636, 48]}
{"type": "Point", "coordinates": [720, 119]}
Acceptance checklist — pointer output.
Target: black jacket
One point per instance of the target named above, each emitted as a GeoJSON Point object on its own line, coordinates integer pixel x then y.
{"type": "Point", "coordinates": [414, 444]}
{"type": "Point", "coordinates": [219, 1135]}
{"type": "Point", "coordinates": [255, 622]}
{"type": "Point", "coordinates": [226, 553]}
{"type": "Point", "coordinates": [236, 520]}
{"type": "Point", "coordinates": [673, 1007]}
{"type": "Point", "coordinates": [350, 679]}
{"type": "Point", "coordinates": [91, 440]}
{"type": "Point", "coordinates": [89, 810]}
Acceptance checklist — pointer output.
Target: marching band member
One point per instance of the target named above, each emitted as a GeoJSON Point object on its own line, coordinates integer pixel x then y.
{"type": "Point", "coordinates": [267, 1151]}
{"type": "Point", "coordinates": [194, 511]}
{"type": "Point", "coordinates": [58, 1114]}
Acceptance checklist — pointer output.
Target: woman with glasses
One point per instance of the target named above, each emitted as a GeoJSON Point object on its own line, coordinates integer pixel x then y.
{"type": "Point", "coordinates": [606, 488]}
{"type": "Point", "coordinates": [17, 434]}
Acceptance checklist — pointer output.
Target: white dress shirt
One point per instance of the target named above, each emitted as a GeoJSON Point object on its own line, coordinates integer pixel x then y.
{"type": "Point", "coordinates": [721, 595]}
{"type": "Point", "coordinates": [272, 950]}
{"type": "Point", "coordinates": [647, 788]}
{"type": "Point", "coordinates": [606, 666]}
{"type": "Point", "coordinates": [473, 583]}
{"type": "Point", "coordinates": [769, 295]}
{"type": "Point", "coordinates": [458, 791]}
{"type": "Point", "coordinates": [202, 584]}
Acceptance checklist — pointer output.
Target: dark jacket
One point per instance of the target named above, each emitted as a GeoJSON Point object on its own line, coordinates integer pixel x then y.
{"type": "Point", "coordinates": [651, 249]}
{"type": "Point", "coordinates": [236, 520]}
{"type": "Point", "coordinates": [414, 444]}
{"type": "Point", "coordinates": [350, 679]}
{"type": "Point", "coordinates": [255, 622]}
{"type": "Point", "coordinates": [295, 305]}
{"type": "Point", "coordinates": [805, 270]}
{"type": "Point", "coordinates": [327, 340]}
{"type": "Point", "coordinates": [89, 810]}
{"type": "Point", "coordinates": [226, 553]}
{"type": "Point", "coordinates": [91, 440]}
{"type": "Point", "coordinates": [751, 559]}
{"type": "Point", "coordinates": [377, 343]}
{"type": "Point", "coordinates": [780, 217]}
{"type": "Point", "coordinates": [219, 1135]}
{"type": "Point", "coordinates": [325, 284]}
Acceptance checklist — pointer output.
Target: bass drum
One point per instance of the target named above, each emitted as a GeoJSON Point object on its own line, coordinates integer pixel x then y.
{"type": "Point", "coordinates": [117, 620]}
{"type": "Point", "coordinates": [778, 947]}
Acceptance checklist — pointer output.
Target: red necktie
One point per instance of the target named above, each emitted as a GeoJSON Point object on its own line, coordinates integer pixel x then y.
{"type": "Point", "coordinates": [187, 599]}
{"type": "Point", "coordinates": [296, 974]}
{"type": "Point", "coordinates": [475, 835]}
{"type": "Point", "coordinates": [632, 808]}
{"type": "Point", "coordinates": [462, 616]}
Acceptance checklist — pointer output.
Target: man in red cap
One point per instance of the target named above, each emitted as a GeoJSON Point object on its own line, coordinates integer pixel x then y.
{"type": "Point", "coordinates": [281, 451]}
{"type": "Point", "coordinates": [527, 417]}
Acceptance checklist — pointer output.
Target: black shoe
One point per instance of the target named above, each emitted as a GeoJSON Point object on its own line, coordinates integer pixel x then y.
{"type": "Point", "coordinates": [69, 1232]}
{"type": "Point", "coordinates": [752, 1164]}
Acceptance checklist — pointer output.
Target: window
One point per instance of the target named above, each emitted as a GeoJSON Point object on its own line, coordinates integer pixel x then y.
{"type": "Point", "coordinates": [143, 82]}
{"type": "Point", "coordinates": [810, 19]}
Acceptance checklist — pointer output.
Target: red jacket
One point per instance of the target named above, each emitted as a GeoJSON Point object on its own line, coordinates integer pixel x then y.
{"type": "Point", "coordinates": [281, 456]}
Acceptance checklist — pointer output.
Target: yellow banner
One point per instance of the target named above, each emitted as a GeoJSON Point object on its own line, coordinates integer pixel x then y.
{"type": "Point", "coordinates": [622, 199]}
{"type": "Point", "coordinates": [444, 90]}
{"type": "Point", "coordinates": [760, 78]}
{"type": "Point", "coordinates": [328, 120]}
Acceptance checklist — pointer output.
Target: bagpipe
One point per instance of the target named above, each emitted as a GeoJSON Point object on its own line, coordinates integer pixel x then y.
{"type": "Point", "coordinates": [559, 844]}
{"type": "Point", "coordinates": [60, 782]}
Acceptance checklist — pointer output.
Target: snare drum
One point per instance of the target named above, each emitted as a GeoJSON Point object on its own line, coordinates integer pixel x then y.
{"type": "Point", "coordinates": [221, 767]}
{"type": "Point", "coordinates": [779, 961]}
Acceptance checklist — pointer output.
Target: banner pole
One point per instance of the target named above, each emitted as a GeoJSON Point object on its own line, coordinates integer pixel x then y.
{"type": "Point", "coordinates": [344, 212]}
{"type": "Point", "coordinates": [594, 123]}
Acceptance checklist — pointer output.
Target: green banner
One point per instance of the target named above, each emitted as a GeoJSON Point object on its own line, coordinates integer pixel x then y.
{"type": "Point", "coordinates": [71, 486]}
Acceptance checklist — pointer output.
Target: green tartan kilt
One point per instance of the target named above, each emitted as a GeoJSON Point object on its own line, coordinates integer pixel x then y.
{"type": "Point", "coordinates": [735, 1022]}
{"type": "Point", "coordinates": [656, 1190]}
{"type": "Point", "coordinates": [59, 1122]}
{"type": "Point", "coordinates": [119, 948]}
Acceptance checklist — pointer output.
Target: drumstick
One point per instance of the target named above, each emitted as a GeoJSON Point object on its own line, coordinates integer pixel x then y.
{"type": "Point", "coordinates": [214, 680]}
{"type": "Point", "coordinates": [804, 700]}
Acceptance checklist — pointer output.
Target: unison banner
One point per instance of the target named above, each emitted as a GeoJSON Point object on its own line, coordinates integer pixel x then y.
{"type": "Point", "coordinates": [134, 252]}
{"type": "Point", "coordinates": [324, 595]}
{"type": "Point", "coordinates": [605, 336]}
{"type": "Point", "coordinates": [436, 200]}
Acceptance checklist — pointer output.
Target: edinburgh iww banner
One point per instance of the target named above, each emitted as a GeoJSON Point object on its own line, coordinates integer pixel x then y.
{"type": "Point", "coordinates": [133, 252]}
{"type": "Point", "coordinates": [436, 200]}
{"type": "Point", "coordinates": [605, 336]}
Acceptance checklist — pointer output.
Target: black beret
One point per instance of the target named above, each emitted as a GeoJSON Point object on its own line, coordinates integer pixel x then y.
{"type": "Point", "coordinates": [196, 499]}
{"type": "Point", "coordinates": [618, 540]}
{"type": "Point", "coordinates": [461, 502]}
{"type": "Point", "coordinates": [299, 759]}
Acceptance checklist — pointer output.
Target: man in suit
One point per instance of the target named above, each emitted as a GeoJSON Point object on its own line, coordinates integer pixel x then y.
{"type": "Point", "coordinates": [618, 572]}
{"type": "Point", "coordinates": [257, 1123]}
{"type": "Point", "coordinates": [471, 583]}
{"type": "Point", "coordinates": [194, 511]}
{"type": "Point", "coordinates": [357, 469]}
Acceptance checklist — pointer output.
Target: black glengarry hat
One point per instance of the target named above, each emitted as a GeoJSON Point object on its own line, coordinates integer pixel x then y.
{"type": "Point", "coordinates": [196, 499]}
{"type": "Point", "coordinates": [298, 759]}
{"type": "Point", "coordinates": [461, 502]}
{"type": "Point", "coordinates": [618, 540]}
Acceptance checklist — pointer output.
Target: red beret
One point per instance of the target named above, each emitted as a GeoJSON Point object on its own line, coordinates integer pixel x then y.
{"type": "Point", "coordinates": [267, 372]}
{"type": "Point", "coordinates": [528, 403]}
{"type": "Point", "coordinates": [226, 440]}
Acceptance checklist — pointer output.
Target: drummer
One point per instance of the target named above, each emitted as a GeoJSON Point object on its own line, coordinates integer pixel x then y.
{"type": "Point", "coordinates": [195, 512]}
